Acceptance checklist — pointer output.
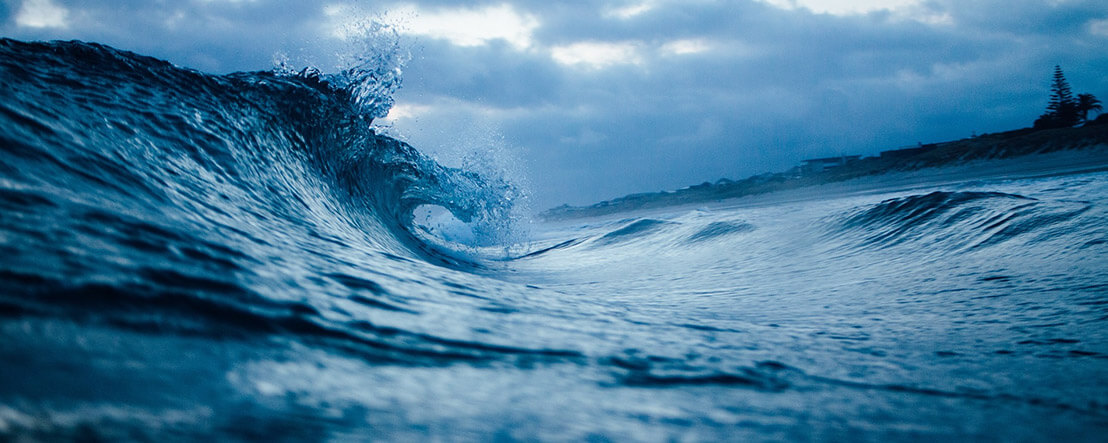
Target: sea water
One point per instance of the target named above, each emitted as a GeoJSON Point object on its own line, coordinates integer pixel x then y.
{"type": "Point", "coordinates": [188, 256]}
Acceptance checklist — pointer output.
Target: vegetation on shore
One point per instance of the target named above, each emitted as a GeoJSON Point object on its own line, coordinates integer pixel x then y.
{"type": "Point", "coordinates": [1065, 111]}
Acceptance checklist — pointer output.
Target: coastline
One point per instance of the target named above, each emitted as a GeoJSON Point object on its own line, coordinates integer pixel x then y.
{"type": "Point", "coordinates": [1010, 155]}
{"type": "Point", "coordinates": [1025, 167]}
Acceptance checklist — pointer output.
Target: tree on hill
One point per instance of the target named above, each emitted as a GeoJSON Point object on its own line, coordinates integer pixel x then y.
{"type": "Point", "coordinates": [1087, 103]}
{"type": "Point", "coordinates": [1061, 112]}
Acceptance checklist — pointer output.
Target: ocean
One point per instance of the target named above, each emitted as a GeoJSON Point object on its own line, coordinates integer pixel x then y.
{"type": "Point", "coordinates": [187, 256]}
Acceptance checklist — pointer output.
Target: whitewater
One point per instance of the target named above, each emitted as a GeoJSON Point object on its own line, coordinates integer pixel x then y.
{"type": "Point", "coordinates": [187, 256]}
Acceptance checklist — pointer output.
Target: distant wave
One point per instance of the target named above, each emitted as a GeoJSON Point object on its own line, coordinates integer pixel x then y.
{"type": "Point", "coordinates": [958, 220]}
{"type": "Point", "coordinates": [635, 229]}
{"type": "Point", "coordinates": [720, 229]}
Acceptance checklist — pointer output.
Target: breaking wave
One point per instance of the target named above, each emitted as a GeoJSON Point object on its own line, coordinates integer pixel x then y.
{"type": "Point", "coordinates": [188, 255]}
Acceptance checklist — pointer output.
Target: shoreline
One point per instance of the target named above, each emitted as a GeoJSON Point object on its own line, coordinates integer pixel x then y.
{"type": "Point", "coordinates": [1050, 164]}
{"type": "Point", "coordinates": [1014, 154]}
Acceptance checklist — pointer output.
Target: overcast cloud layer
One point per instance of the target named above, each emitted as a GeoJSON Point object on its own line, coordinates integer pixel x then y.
{"type": "Point", "coordinates": [600, 99]}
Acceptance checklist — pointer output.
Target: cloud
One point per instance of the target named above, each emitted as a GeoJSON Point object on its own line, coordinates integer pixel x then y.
{"type": "Point", "coordinates": [597, 55]}
{"type": "Point", "coordinates": [466, 26]}
{"type": "Point", "coordinates": [629, 11]}
{"type": "Point", "coordinates": [843, 7]}
{"type": "Point", "coordinates": [686, 46]}
{"type": "Point", "coordinates": [41, 14]}
{"type": "Point", "coordinates": [496, 74]}
{"type": "Point", "coordinates": [1099, 27]}
{"type": "Point", "coordinates": [406, 111]}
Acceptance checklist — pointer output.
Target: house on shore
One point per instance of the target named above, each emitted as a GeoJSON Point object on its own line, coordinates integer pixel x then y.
{"type": "Point", "coordinates": [818, 165]}
{"type": "Point", "coordinates": [906, 151]}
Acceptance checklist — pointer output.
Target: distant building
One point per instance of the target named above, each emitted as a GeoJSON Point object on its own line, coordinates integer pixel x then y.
{"type": "Point", "coordinates": [817, 165]}
{"type": "Point", "coordinates": [906, 151]}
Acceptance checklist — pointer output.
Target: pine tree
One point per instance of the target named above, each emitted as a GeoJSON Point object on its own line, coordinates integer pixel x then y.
{"type": "Point", "coordinates": [1062, 110]}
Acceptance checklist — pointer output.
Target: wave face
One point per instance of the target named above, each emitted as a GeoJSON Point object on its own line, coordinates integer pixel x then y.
{"type": "Point", "coordinates": [192, 256]}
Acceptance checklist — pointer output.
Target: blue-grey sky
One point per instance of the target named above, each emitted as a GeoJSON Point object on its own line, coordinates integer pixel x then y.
{"type": "Point", "coordinates": [592, 100]}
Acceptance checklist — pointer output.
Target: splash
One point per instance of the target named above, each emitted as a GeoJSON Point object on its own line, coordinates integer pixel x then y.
{"type": "Point", "coordinates": [488, 196]}
{"type": "Point", "coordinates": [369, 66]}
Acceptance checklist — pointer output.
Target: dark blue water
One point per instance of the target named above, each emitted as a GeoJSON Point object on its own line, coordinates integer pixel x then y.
{"type": "Point", "coordinates": [188, 256]}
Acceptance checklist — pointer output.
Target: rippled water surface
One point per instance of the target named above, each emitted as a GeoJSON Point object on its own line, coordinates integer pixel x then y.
{"type": "Point", "coordinates": [186, 256]}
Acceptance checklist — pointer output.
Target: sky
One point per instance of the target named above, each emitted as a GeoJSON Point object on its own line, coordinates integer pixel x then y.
{"type": "Point", "coordinates": [589, 100]}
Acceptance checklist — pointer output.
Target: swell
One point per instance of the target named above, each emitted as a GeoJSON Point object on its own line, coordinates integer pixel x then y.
{"type": "Point", "coordinates": [958, 221]}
